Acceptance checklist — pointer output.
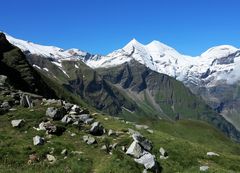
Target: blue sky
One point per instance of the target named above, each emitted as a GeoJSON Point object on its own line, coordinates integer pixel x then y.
{"type": "Point", "coordinates": [101, 26]}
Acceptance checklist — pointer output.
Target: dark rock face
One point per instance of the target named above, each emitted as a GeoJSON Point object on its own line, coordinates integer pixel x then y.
{"type": "Point", "coordinates": [20, 73]}
{"type": "Point", "coordinates": [170, 96]}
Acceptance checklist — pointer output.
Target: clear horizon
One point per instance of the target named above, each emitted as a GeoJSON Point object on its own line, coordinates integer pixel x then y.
{"type": "Point", "coordinates": [101, 26]}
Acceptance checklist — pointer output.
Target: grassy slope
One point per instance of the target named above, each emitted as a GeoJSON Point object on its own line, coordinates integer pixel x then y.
{"type": "Point", "coordinates": [186, 142]}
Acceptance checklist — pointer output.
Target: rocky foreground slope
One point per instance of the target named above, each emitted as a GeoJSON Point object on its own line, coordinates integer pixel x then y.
{"type": "Point", "coordinates": [48, 135]}
{"type": "Point", "coordinates": [132, 91]}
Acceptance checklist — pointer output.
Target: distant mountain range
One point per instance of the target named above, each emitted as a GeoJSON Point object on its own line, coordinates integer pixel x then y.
{"type": "Point", "coordinates": [145, 81]}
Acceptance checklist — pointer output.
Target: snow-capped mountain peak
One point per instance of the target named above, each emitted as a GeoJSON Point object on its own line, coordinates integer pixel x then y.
{"type": "Point", "coordinates": [44, 51]}
{"type": "Point", "coordinates": [219, 51]}
{"type": "Point", "coordinates": [158, 46]}
{"type": "Point", "coordinates": [216, 65]}
{"type": "Point", "coordinates": [133, 43]}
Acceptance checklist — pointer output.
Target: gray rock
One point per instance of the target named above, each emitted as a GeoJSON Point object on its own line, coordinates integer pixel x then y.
{"type": "Point", "coordinates": [135, 150]}
{"type": "Point", "coordinates": [132, 132]}
{"type": "Point", "coordinates": [76, 108]}
{"type": "Point", "coordinates": [163, 157]}
{"type": "Point", "coordinates": [104, 147]}
{"type": "Point", "coordinates": [5, 105]}
{"type": "Point", "coordinates": [111, 132]}
{"type": "Point", "coordinates": [83, 117]}
{"type": "Point", "coordinates": [68, 106]}
{"type": "Point", "coordinates": [52, 101]}
{"type": "Point", "coordinates": [73, 113]}
{"type": "Point", "coordinates": [37, 140]}
{"type": "Point", "coordinates": [148, 160]}
{"type": "Point", "coordinates": [55, 113]}
{"type": "Point", "coordinates": [16, 102]}
{"type": "Point", "coordinates": [67, 119]}
{"type": "Point", "coordinates": [76, 123]}
{"type": "Point", "coordinates": [42, 126]}
{"type": "Point", "coordinates": [96, 129]}
{"type": "Point", "coordinates": [17, 123]}
{"type": "Point", "coordinates": [114, 146]}
{"type": "Point", "coordinates": [124, 148]}
{"type": "Point", "coordinates": [73, 134]}
{"type": "Point", "coordinates": [203, 168]}
{"type": "Point", "coordinates": [89, 121]}
{"type": "Point", "coordinates": [150, 131]}
{"type": "Point", "coordinates": [26, 101]}
{"type": "Point", "coordinates": [53, 129]}
{"type": "Point", "coordinates": [3, 80]}
{"type": "Point", "coordinates": [12, 109]}
{"type": "Point", "coordinates": [163, 154]}
{"type": "Point", "coordinates": [51, 158]}
{"type": "Point", "coordinates": [145, 143]}
{"type": "Point", "coordinates": [64, 152]}
{"type": "Point", "coordinates": [139, 127]}
{"type": "Point", "coordinates": [212, 154]}
{"type": "Point", "coordinates": [89, 139]}
{"type": "Point", "coordinates": [33, 158]}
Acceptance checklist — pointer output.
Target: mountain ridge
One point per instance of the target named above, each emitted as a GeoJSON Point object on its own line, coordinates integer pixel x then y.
{"type": "Point", "coordinates": [206, 75]}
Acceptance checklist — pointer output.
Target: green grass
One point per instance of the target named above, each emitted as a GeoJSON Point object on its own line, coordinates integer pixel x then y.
{"type": "Point", "coordinates": [185, 141]}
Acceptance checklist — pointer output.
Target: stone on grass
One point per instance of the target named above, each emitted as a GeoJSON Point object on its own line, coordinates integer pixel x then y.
{"type": "Point", "coordinates": [33, 158]}
{"type": "Point", "coordinates": [5, 105]}
{"type": "Point", "coordinates": [132, 132]}
{"type": "Point", "coordinates": [55, 113]}
{"type": "Point", "coordinates": [42, 126]}
{"type": "Point", "coordinates": [89, 121]}
{"type": "Point", "coordinates": [150, 131]}
{"type": "Point", "coordinates": [139, 127]}
{"type": "Point", "coordinates": [67, 119]}
{"type": "Point", "coordinates": [96, 129]}
{"type": "Point", "coordinates": [51, 158]}
{"type": "Point", "coordinates": [37, 140]}
{"type": "Point", "coordinates": [163, 154]}
{"type": "Point", "coordinates": [68, 106]}
{"type": "Point", "coordinates": [135, 150]}
{"type": "Point", "coordinates": [83, 117]}
{"type": "Point", "coordinates": [114, 146]}
{"type": "Point", "coordinates": [76, 108]}
{"type": "Point", "coordinates": [3, 80]}
{"type": "Point", "coordinates": [17, 123]}
{"type": "Point", "coordinates": [73, 134]}
{"type": "Point", "coordinates": [203, 168]}
{"type": "Point", "coordinates": [64, 152]}
{"type": "Point", "coordinates": [54, 130]}
{"type": "Point", "coordinates": [148, 160]}
{"type": "Point", "coordinates": [12, 109]}
{"type": "Point", "coordinates": [104, 147]}
{"type": "Point", "coordinates": [89, 139]}
{"type": "Point", "coordinates": [111, 132]}
{"type": "Point", "coordinates": [124, 148]}
{"type": "Point", "coordinates": [145, 143]}
{"type": "Point", "coordinates": [212, 154]}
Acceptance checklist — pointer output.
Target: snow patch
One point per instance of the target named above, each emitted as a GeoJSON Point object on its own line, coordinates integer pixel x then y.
{"type": "Point", "coordinates": [76, 66]}
{"type": "Point", "coordinates": [46, 69]}
{"type": "Point", "coordinates": [34, 65]}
